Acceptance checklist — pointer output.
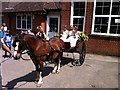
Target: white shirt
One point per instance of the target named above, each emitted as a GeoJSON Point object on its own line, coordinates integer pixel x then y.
{"type": "Point", "coordinates": [5, 28]}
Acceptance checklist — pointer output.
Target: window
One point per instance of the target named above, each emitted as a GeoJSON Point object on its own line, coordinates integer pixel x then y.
{"type": "Point", "coordinates": [102, 8]}
{"type": "Point", "coordinates": [24, 22]}
{"type": "Point", "coordinates": [78, 11]}
{"type": "Point", "coordinates": [53, 24]}
{"type": "Point", "coordinates": [114, 25]}
{"type": "Point", "coordinates": [106, 18]}
{"type": "Point", "coordinates": [101, 24]}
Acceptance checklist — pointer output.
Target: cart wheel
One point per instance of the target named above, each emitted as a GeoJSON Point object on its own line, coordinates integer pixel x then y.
{"type": "Point", "coordinates": [76, 62]}
{"type": "Point", "coordinates": [82, 54]}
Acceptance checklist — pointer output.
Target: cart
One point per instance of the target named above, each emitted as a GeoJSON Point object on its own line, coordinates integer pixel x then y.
{"type": "Point", "coordinates": [80, 49]}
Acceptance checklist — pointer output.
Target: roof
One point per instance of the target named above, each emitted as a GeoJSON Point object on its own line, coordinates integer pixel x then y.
{"type": "Point", "coordinates": [29, 6]}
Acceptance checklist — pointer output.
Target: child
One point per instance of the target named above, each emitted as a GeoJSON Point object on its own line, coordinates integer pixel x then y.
{"type": "Point", "coordinates": [7, 42]}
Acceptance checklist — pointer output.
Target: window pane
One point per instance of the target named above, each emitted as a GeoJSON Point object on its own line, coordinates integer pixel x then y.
{"type": "Point", "coordinates": [107, 4]}
{"type": "Point", "coordinates": [18, 21]}
{"type": "Point", "coordinates": [118, 32]}
{"type": "Point", "coordinates": [115, 8]}
{"type": "Point", "coordinates": [98, 11]}
{"type": "Point", "coordinates": [106, 11]}
{"type": "Point", "coordinates": [28, 22]}
{"type": "Point", "coordinates": [113, 29]}
{"type": "Point", "coordinates": [99, 3]}
{"type": "Point", "coordinates": [114, 26]}
{"type": "Point", "coordinates": [54, 24]}
{"type": "Point", "coordinates": [104, 28]}
{"type": "Point", "coordinates": [79, 23]}
{"type": "Point", "coordinates": [101, 24]}
{"type": "Point", "coordinates": [24, 22]}
{"type": "Point", "coordinates": [97, 28]}
{"type": "Point", "coordinates": [79, 8]}
{"type": "Point", "coordinates": [102, 8]}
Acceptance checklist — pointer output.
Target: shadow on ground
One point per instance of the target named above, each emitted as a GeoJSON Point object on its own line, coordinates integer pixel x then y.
{"type": "Point", "coordinates": [30, 77]}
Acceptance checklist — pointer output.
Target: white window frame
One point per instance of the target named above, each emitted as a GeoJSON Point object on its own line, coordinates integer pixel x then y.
{"type": "Point", "coordinates": [72, 12]}
{"type": "Point", "coordinates": [109, 21]}
{"type": "Point", "coordinates": [26, 22]}
{"type": "Point", "coordinates": [48, 27]}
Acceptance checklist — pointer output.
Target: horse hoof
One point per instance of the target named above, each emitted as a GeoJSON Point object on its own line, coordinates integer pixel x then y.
{"type": "Point", "coordinates": [53, 72]}
{"type": "Point", "coordinates": [58, 72]}
{"type": "Point", "coordinates": [38, 85]}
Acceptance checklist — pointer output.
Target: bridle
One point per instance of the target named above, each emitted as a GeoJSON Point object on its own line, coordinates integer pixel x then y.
{"type": "Point", "coordinates": [22, 51]}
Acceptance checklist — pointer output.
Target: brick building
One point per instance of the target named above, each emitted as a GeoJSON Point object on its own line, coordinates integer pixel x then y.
{"type": "Point", "coordinates": [99, 20]}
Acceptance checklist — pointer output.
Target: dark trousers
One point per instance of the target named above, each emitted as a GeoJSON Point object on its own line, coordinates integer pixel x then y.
{"type": "Point", "coordinates": [7, 52]}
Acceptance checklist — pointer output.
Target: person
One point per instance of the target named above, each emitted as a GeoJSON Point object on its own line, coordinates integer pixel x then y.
{"type": "Point", "coordinates": [3, 29]}
{"type": "Point", "coordinates": [73, 36]}
{"type": "Point", "coordinates": [7, 43]}
{"type": "Point", "coordinates": [0, 38]}
{"type": "Point", "coordinates": [64, 35]}
{"type": "Point", "coordinates": [41, 33]}
{"type": "Point", "coordinates": [30, 32]}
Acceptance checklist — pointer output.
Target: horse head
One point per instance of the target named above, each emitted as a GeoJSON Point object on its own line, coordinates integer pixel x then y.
{"type": "Point", "coordinates": [19, 45]}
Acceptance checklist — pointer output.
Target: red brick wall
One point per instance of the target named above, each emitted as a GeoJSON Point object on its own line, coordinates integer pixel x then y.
{"type": "Point", "coordinates": [65, 14]}
{"type": "Point", "coordinates": [10, 20]}
{"type": "Point", "coordinates": [104, 45]}
{"type": "Point", "coordinates": [39, 20]}
{"type": "Point", "coordinates": [89, 14]}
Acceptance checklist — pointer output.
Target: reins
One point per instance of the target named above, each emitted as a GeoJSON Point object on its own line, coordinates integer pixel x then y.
{"type": "Point", "coordinates": [25, 53]}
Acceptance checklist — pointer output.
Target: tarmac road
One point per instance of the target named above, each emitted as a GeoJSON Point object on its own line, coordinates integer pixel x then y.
{"type": "Point", "coordinates": [97, 72]}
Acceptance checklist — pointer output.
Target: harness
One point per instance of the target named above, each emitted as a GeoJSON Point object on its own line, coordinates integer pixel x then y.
{"type": "Point", "coordinates": [52, 51]}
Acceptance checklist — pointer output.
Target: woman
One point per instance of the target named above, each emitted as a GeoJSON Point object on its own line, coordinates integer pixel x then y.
{"type": "Point", "coordinates": [73, 36]}
{"type": "Point", "coordinates": [65, 34]}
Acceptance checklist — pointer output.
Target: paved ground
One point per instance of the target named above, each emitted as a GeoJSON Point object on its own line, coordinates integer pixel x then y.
{"type": "Point", "coordinates": [97, 72]}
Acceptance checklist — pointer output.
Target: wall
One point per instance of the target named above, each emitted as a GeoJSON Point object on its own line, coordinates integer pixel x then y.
{"type": "Point", "coordinates": [65, 14]}
{"type": "Point", "coordinates": [97, 44]}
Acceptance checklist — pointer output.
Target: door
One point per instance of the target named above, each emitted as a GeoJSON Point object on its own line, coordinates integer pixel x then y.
{"type": "Point", "coordinates": [53, 23]}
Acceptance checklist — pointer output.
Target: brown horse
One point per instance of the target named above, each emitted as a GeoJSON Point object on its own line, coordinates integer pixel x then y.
{"type": "Point", "coordinates": [39, 52]}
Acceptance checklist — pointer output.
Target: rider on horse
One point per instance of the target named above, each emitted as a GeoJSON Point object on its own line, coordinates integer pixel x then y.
{"type": "Point", "coordinates": [41, 33]}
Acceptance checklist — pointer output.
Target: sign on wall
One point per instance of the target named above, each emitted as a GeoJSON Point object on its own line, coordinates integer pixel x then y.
{"type": "Point", "coordinates": [117, 20]}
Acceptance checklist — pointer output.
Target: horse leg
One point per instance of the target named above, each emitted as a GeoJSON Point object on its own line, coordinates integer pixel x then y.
{"type": "Point", "coordinates": [40, 82]}
{"type": "Point", "coordinates": [37, 73]}
{"type": "Point", "coordinates": [37, 70]}
{"type": "Point", "coordinates": [57, 65]}
{"type": "Point", "coordinates": [59, 61]}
